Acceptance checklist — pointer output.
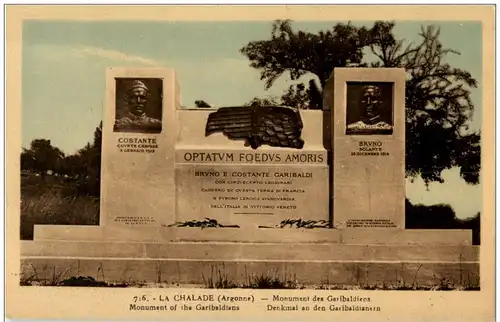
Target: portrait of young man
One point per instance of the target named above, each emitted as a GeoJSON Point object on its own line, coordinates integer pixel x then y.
{"type": "Point", "coordinates": [138, 105]}
{"type": "Point", "coordinates": [369, 109]}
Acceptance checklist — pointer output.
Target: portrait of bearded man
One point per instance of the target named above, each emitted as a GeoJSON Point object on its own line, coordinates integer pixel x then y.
{"type": "Point", "coordinates": [136, 119]}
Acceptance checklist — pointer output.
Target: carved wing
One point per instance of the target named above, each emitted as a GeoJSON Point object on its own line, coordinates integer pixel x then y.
{"type": "Point", "coordinates": [279, 126]}
{"type": "Point", "coordinates": [272, 125]}
{"type": "Point", "coordinates": [234, 122]}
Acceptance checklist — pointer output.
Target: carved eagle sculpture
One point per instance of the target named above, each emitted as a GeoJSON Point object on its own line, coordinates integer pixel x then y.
{"type": "Point", "coordinates": [277, 126]}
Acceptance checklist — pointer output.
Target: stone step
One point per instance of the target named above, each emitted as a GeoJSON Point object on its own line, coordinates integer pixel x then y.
{"type": "Point", "coordinates": [380, 236]}
{"type": "Point", "coordinates": [228, 251]}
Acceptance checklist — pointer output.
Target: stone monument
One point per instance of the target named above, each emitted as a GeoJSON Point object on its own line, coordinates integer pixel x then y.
{"type": "Point", "coordinates": [250, 169]}
{"type": "Point", "coordinates": [139, 130]}
{"type": "Point", "coordinates": [369, 148]}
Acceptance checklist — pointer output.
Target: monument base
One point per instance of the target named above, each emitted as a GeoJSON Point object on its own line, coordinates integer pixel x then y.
{"type": "Point", "coordinates": [310, 257]}
{"type": "Point", "coordinates": [360, 236]}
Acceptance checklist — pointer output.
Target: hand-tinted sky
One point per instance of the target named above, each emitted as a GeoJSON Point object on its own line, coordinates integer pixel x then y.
{"type": "Point", "coordinates": [64, 67]}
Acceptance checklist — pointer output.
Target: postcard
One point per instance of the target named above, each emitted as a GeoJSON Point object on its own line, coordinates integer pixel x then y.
{"type": "Point", "coordinates": [273, 162]}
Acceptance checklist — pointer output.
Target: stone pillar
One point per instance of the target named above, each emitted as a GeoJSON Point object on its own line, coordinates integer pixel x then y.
{"type": "Point", "coordinates": [138, 147]}
{"type": "Point", "coordinates": [368, 131]}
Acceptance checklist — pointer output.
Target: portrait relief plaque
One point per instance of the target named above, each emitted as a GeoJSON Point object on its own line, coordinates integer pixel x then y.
{"type": "Point", "coordinates": [138, 105]}
{"type": "Point", "coordinates": [369, 108]}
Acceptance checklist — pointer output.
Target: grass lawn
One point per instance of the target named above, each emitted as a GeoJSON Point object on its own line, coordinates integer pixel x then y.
{"type": "Point", "coordinates": [53, 201]}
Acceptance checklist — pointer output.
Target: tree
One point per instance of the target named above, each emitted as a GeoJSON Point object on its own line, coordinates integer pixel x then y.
{"type": "Point", "coordinates": [441, 217]}
{"type": "Point", "coordinates": [72, 166]}
{"type": "Point", "coordinates": [473, 223]}
{"type": "Point", "coordinates": [299, 96]}
{"type": "Point", "coordinates": [85, 165]}
{"type": "Point", "coordinates": [430, 217]}
{"type": "Point", "coordinates": [201, 104]}
{"type": "Point", "coordinates": [27, 161]}
{"type": "Point", "coordinates": [269, 101]}
{"type": "Point", "coordinates": [438, 105]}
{"type": "Point", "coordinates": [90, 165]}
{"type": "Point", "coordinates": [300, 53]}
{"type": "Point", "coordinates": [41, 157]}
{"type": "Point", "coordinates": [296, 96]}
{"type": "Point", "coordinates": [98, 136]}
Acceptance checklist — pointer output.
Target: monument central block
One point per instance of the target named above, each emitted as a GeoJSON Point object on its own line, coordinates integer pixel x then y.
{"type": "Point", "coordinates": [244, 177]}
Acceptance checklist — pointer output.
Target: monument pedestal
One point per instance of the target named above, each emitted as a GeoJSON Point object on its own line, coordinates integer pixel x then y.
{"type": "Point", "coordinates": [363, 236]}
{"type": "Point", "coordinates": [310, 256]}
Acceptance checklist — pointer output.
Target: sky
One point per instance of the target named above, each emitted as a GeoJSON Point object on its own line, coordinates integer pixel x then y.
{"type": "Point", "coordinates": [64, 64]}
